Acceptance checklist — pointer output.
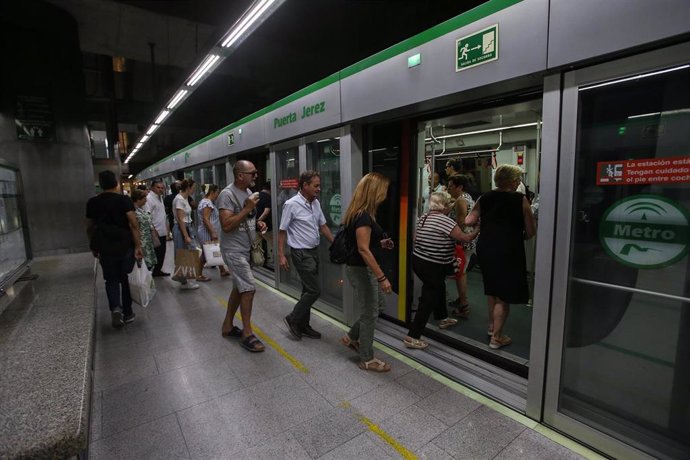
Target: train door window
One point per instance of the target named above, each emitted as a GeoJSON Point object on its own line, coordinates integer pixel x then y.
{"type": "Point", "coordinates": [287, 178]}
{"type": "Point", "coordinates": [385, 155]}
{"type": "Point", "coordinates": [472, 145]}
{"type": "Point", "coordinates": [625, 367]}
{"type": "Point", "coordinates": [219, 175]}
{"type": "Point", "coordinates": [323, 155]}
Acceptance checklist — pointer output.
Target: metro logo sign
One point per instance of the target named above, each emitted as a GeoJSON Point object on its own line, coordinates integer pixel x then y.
{"type": "Point", "coordinates": [645, 231]}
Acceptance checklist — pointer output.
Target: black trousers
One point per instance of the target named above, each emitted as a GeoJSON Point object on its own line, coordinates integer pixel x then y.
{"type": "Point", "coordinates": [115, 271]}
{"type": "Point", "coordinates": [160, 255]}
{"type": "Point", "coordinates": [433, 298]}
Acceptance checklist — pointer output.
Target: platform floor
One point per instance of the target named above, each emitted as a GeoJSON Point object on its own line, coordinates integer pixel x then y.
{"type": "Point", "coordinates": [169, 386]}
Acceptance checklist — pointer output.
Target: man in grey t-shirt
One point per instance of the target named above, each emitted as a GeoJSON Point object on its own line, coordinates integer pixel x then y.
{"type": "Point", "coordinates": [237, 209]}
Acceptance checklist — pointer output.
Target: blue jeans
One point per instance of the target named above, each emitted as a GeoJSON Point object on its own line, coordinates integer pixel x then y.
{"type": "Point", "coordinates": [115, 271]}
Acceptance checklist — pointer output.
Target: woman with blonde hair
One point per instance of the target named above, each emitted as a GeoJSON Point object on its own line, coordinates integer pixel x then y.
{"type": "Point", "coordinates": [506, 221]}
{"type": "Point", "coordinates": [433, 258]}
{"type": "Point", "coordinates": [363, 270]}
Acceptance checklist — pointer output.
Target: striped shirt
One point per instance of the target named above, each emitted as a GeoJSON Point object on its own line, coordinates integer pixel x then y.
{"type": "Point", "coordinates": [433, 242]}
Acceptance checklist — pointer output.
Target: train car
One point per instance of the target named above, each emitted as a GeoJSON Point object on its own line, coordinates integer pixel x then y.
{"type": "Point", "coordinates": [592, 101]}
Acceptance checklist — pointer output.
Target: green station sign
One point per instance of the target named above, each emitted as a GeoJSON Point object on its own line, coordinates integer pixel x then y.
{"type": "Point", "coordinates": [476, 49]}
{"type": "Point", "coordinates": [305, 112]}
{"type": "Point", "coordinates": [646, 231]}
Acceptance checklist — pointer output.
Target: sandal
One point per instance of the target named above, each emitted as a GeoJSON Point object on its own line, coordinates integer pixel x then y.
{"type": "Point", "coordinates": [348, 342]}
{"type": "Point", "coordinates": [203, 278]}
{"type": "Point", "coordinates": [225, 273]}
{"type": "Point", "coordinates": [375, 365]}
{"type": "Point", "coordinates": [415, 343]}
{"type": "Point", "coordinates": [446, 323]}
{"type": "Point", "coordinates": [235, 332]}
{"type": "Point", "coordinates": [252, 344]}
{"type": "Point", "coordinates": [463, 311]}
{"type": "Point", "coordinates": [499, 342]}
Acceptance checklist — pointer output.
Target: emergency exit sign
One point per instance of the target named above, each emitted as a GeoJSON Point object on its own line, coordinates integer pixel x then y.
{"type": "Point", "coordinates": [476, 49]}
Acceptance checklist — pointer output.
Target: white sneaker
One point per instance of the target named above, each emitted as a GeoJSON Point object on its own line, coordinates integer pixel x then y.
{"type": "Point", "coordinates": [190, 286]}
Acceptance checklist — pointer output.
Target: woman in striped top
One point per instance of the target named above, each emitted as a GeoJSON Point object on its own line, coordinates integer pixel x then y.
{"type": "Point", "coordinates": [433, 258]}
{"type": "Point", "coordinates": [209, 222]}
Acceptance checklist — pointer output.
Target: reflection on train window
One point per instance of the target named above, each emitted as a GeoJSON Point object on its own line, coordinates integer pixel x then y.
{"type": "Point", "coordinates": [13, 252]}
{"type": "Point", "coordinates": [287, 177]}
{"type": "Point", "coordinates": [473, 145]}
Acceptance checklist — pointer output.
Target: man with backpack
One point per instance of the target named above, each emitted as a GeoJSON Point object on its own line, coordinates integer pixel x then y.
{"type": "Point", "coordinates": [300, 224]}
{"type": "Point", "coordinates": [114, 239]}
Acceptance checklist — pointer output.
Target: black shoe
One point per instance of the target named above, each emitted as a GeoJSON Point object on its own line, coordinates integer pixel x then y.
{"type": "Point", "coordinates": [116, 318]}
{"type": "Point", "coordinates": [292, 327]}
{"type": "Point", "coordinates": [307, 331]}
{"type": "Point", "coordinates": [129, 318]}
{"type": "Point", "coordinates": [161, 274]}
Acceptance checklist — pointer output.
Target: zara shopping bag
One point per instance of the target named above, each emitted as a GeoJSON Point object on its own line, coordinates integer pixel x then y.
{"type": "Point", "coordinates": [187, 263]}
{"type": "Point", "coordinates": [141, 285]}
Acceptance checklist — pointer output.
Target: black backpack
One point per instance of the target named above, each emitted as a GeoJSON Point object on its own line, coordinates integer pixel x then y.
{"type": "Point", "coordinates": [343, 246]}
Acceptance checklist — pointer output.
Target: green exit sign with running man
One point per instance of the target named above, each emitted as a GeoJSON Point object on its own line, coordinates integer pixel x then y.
{"type": "Point", "coordinates": [476, 49]}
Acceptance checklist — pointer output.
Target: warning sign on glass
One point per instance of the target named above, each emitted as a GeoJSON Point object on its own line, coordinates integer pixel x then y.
{"type": "Point", "coordinates": [668, 170]}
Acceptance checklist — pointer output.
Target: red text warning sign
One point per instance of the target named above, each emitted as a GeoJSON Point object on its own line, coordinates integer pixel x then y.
{"type": "Point", "coordinates": [289, 183]}
{"type": "Point", "coordinates": [669, 170]}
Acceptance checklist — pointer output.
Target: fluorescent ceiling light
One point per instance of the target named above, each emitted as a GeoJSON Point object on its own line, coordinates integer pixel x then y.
{"type": "Point", "coordinates": [144, 138]}
{"type": "Point", "coordinates": [201, 70]}
{"type": "Point", "coordinates": [130, 176]}
{"type": "Point", "coordinates": [180, 94]}
{"type": "Point", "coordinates": [152, 129]}
{"type": "Point", "coordinates": [635, 77]}
{"type": "Point", "coordinates": [491, 130]}
{"type": "Point", "coordinates": [653, 114]}
{"type": "Point", "coordinates": [161, 117]}
{"type": "Point", "coordinates": [246, 22]}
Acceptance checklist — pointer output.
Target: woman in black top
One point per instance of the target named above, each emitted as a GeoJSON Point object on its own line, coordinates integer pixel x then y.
{"type": "Point", "coordinates": [506, 221]}
{"type": "Point", "coordinates": [363, 270]}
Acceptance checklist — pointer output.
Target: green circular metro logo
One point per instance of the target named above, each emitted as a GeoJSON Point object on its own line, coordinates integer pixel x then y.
{"type": "Point", "coordinates": [645, 231]}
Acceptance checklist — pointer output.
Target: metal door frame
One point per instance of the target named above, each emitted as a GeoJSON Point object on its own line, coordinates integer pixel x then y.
{"type": "Point", "coordinates": [572, 81]}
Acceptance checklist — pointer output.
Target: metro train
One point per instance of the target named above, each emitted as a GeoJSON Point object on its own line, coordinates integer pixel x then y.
{"type": "Point", "coordinates": [585, 97]}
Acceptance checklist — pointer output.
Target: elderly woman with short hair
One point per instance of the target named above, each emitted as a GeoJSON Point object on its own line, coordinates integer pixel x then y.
{"type": "Point", "coordinates": [506, 221]}
{"type": "Point", "coordinates": [433, 258]}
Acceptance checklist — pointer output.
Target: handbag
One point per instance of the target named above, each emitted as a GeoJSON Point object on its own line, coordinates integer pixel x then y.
{"type": "Point", "coordinates": [212, 254]}
{"type": "Point", "coordinates": [256, 254]}
{"type": "Point", "coordinates": [141, 285]}
{"type": "Point", "coordinates": [155, 238]}
{"type": "Point", "coordinates": [342, 247]}
{"type": "Point", "coordinates": [187, 263]}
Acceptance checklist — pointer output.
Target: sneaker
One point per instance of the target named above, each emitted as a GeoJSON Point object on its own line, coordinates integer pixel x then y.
{"type": "Point", "coordinates": [294, 331]}
{"type": "Point", "coordinates": [189, 286]}
{"type": "Point", "coordinates": [129, 318]}
{"type": "Point", "coordinates": [502, 341]}
{"type": "Point", "coordinates": [116, 317]}
{"type": "Point", "coordinates": [307, 331]}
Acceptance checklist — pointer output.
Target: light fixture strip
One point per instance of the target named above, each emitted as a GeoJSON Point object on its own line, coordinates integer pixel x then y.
{"type": "Point", "coordinates": [634, 77]}
{"type": "Point", "coordinates": [196, 76]}
{"type": "Point", "coordinates": [247, 21]}
{"type": "Point", "coordinates": [161, 117]}
{"type": "Point", "coordinates": [144, 138]}
{"type": "Point", "coordinates": [152, 129]}
{"type": "Point", "coordinates": [491, 130]}
{"type": "Point", "coordinates": [180, 94]}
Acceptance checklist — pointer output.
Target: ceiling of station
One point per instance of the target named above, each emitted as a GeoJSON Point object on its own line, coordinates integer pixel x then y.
{"type": "Point", "coordinates": [302, 42]}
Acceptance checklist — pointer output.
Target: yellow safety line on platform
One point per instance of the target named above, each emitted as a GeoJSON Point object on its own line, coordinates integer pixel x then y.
{"type": "Point", "coordinates": [500, 408]}
{"type": "Point", "coordinates": [270, 342]}
{"type": "Point", "coordinates": [374, 428]}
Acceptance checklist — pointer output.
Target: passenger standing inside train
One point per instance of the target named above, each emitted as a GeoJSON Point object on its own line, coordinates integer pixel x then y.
{"type": "Point", "coordinates": [184, 234]}
{"type": "Point", "coordinates": [237, 206]}
{"type": "Point", "coordinates": [300, 224]}
{"type": "Point", "coordinates": [145, 228]}
{"type": "Point", "coordinates": [167, 201]}
{"type": "Point", "coordinates": [113, 231]}
{"type": "Point", "coordinates": [506, 221]}
{"type": "Point", "coordinates": [457, 187]}
{"type": "Point", "coordinates": [209, 221]}
{"type": "Point", "coordinates": [433, 258]}
{"type": "Point", "coordinates": [363, 270]}
{"type": "Point", "coordinates": [155, 205]}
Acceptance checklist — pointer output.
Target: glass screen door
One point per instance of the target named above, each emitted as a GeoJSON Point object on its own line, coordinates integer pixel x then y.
{"type": "Point", "coordinates": [621, 302]}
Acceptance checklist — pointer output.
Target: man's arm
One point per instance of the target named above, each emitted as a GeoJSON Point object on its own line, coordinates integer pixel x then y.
{"type": "Point", "coordinates": [282, 237]}
{"type": "Point", "coordinates": [134, 228]}
{"type": "Point", "coordinates": [326, 231]}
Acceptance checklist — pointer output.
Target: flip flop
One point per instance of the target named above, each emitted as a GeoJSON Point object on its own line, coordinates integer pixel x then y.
{"type": "Point", "coordinates": [235, 333]}
{"type": "Point", "coordinates": [252, 344]}
{"type": "Point", "coordinates": [375, 365]}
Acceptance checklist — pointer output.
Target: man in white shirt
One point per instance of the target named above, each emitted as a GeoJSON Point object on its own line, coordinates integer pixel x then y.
{"type": "Point", "coordinates": [300, 224]}
{"type": "Point", "coordinates": [154, 205]}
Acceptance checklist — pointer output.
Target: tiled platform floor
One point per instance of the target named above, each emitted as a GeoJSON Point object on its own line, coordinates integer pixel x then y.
{"type": "Point", "coordinates": [169, 386]}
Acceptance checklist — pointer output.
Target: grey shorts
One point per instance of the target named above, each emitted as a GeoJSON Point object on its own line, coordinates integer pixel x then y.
{"type": "Point", "coordinates": [241, 272]}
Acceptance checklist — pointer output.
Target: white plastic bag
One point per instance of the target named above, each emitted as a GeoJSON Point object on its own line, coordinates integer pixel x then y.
{"type": "Point", "coordinates": [141, 285]}
{"type": "Point", "coordinates": [212, 255]}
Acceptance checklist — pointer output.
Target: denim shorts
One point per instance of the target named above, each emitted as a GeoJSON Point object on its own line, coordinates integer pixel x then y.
{"type": "Point", "coordinates": [240, 270]}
